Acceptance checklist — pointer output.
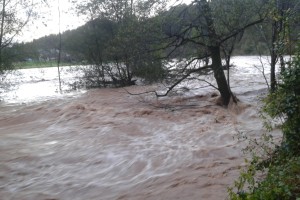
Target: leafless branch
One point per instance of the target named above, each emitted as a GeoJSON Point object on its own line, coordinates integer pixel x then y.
{"type": "Point", "coordinates": [141, 93]}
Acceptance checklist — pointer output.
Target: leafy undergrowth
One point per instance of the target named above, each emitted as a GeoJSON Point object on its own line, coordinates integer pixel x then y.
{"type": "Point", "coordinates": [282, 182]}
{"type": "Point", "coordinates": [280, 167]}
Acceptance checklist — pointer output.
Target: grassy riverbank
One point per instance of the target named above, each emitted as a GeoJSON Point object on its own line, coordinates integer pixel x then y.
{"type": "Point", "coordinates": [40, 64]}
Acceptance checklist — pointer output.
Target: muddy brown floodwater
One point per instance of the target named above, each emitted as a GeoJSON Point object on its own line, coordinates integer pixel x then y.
{"type": "Point", "coordinates": [107, 144]}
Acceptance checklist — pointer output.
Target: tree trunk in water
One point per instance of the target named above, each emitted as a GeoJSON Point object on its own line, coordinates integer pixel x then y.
{"type": "Point", "coordinates": [1, 32]}
{"type": "Point", "coordinates": [272, 71]}
{"type": "Point", "coordinates": [215, 51]}
{"type": "Point", "coordinates": [274, 56]}
{"type": "Point", "coordinates": [219, 75]}
{"type": "Point", "coordinates": [228, 68]}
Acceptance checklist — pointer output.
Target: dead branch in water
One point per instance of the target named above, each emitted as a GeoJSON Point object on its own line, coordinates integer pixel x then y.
{"type": "Point", "coordinates": [166, 106]}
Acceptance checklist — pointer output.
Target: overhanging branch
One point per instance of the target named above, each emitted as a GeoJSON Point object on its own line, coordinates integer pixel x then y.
{"type": "Point", "coordinates": [181, 79]}
{"type": "Point", "coordinates": [236, 32]}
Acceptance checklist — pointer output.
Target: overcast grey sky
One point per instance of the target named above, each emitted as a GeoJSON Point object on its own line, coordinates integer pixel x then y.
{"type": "Point", "coordinates": [49, 23]}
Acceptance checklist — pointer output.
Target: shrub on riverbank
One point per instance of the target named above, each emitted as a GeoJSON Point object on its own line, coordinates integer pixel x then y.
{"type": "Point", "coordinates": [280, 169]}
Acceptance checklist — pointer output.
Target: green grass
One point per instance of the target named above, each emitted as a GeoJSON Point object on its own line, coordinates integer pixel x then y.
{"type": "Point", "coordinates": [39, 64]}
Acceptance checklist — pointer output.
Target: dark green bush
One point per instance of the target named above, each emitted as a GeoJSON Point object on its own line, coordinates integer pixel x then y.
{"type": "Point", "coordinates": [281, 182]}
{"type": "Point", "coordinates": [285, 103]}
{"type": "Point", "coordinates": [277, 176]}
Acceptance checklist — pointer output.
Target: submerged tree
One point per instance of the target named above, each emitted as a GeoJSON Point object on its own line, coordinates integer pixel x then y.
{"type": "Point", "coordinates": [208, 25]}
{"type": "Point", "coordinates": [279, 33]}
{"type": "Point", "coordinates": [283, 15]}
{"type": "Point", "coordinates": [125, 52]}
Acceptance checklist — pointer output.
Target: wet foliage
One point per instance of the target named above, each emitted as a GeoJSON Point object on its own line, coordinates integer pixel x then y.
{"type": "Point", "coordinates": [275, 175]}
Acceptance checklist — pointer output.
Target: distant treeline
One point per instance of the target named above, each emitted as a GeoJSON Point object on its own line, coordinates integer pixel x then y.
{"type": "Point", "coordinates": [80, 45]}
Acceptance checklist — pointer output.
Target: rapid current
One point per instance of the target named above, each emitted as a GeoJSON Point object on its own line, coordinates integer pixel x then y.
{"type": "Point", "coordinates": [105, 144]}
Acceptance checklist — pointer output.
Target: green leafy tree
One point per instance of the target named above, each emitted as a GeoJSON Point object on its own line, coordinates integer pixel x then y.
{"type": "Point", "coordinates": [14, 16]}
{"type": "Point", "coordinates": [126, 53]}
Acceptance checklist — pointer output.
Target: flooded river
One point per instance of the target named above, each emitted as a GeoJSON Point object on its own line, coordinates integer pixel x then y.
{"type": "Point", "coordinates": [105, 144]}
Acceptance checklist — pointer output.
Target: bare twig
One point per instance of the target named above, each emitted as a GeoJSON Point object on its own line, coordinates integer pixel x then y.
{"type": "Point", "coordinates": [141, 93]}
{"type": "Point", "coordinates": [262, 69]}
